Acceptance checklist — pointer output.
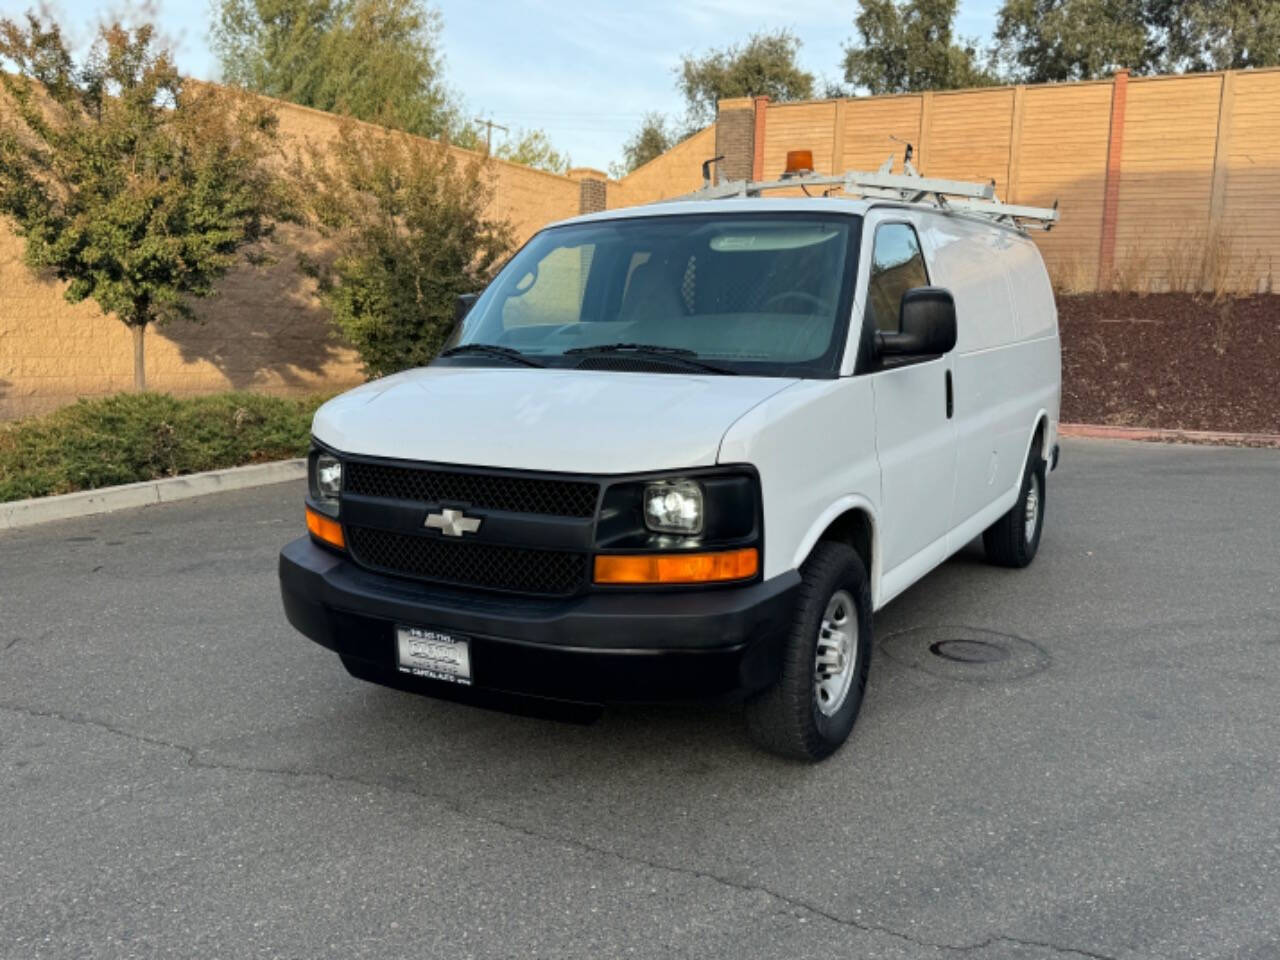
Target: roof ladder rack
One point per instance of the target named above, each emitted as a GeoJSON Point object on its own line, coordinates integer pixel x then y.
{"type": "Point", "coordinates": [974, 199]}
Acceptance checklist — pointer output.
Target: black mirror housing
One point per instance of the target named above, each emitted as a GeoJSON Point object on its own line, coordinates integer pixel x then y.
{"type": "Point", "coordinates": [927, 320]}
{"type": "Point", "coordinates": [462, 306]}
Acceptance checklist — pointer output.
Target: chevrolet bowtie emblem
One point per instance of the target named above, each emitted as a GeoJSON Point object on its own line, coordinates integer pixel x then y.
{"type": "Point", "coordinates": [452, 523]}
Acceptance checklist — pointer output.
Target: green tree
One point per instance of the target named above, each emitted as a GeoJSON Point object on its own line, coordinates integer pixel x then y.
{"type": "Point", "coordinates": [376, 60]}
{"type": "Point", "coordinates": [908, 45]}
{"type": "Point", "coordinates": [764, 66]}
{"type": "Point", "coordinates": [412, 230]}
{"type": "Point", "coordinates": [533, 148]}
{"type": "Point", "coordinates": [137, 189]}
{"type": "Point", "coordinates": [1051, 41]}
{"type": "Point", "coordinates": [1215, 34]}
{"type": "Point", "coordinates": [652, 140]}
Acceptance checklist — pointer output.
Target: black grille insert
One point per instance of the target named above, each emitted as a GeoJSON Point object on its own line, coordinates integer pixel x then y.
{"type": "Point", "coordinates": [556, 498]}
{"type": "Point", "coordinates": [517, 569]}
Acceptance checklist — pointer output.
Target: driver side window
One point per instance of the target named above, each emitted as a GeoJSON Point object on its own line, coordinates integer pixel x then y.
{"type": "Point", "coordinates": [897, 266]}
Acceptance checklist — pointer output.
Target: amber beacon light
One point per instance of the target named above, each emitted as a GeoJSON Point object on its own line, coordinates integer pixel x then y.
{"type": "Point", "coordinates": [799, 162]}
{"type": "Point", "coordinates": [678, 567]}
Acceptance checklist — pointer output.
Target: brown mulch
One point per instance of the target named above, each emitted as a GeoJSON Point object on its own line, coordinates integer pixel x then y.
{"type": "Point", "coordinates": [1171, 361]}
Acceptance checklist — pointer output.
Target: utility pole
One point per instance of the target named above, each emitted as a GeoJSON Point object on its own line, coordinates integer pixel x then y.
{"type": "Point", "coordinates": [489, 127]}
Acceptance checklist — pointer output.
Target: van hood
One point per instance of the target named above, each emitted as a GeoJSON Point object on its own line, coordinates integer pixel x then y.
{"type": "Point", "coordinates": [570, 421]}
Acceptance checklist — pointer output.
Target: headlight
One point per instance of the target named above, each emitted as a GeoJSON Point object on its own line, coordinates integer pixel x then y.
{"type": "Point", "coordinates": [674, 507]}
{"type": "Point", "coordinates": [324, 481]}
{"type": "Point", "coordinates": [328, 476]}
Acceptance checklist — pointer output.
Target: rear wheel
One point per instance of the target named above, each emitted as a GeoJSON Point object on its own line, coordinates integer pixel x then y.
{"type": "Point", "coordinates": [1012, 541]}
{"type": "Point", "coordinates": [810, 711]}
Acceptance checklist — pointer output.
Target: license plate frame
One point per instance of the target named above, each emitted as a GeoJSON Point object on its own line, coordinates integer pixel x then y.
{"type": "Point", "coordinates": [433, 654]}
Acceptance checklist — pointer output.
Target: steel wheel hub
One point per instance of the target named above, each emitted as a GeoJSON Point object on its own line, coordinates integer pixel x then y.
{"type": "Point", "coordinates": [1031, 514]}
{"type": "Point", "coordinates": [836, 656]}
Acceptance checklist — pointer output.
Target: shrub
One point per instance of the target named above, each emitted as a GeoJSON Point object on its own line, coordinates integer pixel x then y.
{"type": "Point", "coordinates": [131, 437]}
{"type": "Point", "coordinates": [412, 228]}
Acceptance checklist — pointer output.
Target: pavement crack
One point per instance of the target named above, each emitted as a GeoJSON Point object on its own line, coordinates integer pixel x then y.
{"type": "Point", "coordinates": [194, 761]}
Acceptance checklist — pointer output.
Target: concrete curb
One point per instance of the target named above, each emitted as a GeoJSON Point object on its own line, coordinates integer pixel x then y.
{"type": "Point", "coordinates": [1100, 432]}
{"type": "Point", "coordinates": [85, 503]}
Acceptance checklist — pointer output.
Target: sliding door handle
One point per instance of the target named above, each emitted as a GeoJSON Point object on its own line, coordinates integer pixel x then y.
{"type": "Point", "coordinates": [951, 397]}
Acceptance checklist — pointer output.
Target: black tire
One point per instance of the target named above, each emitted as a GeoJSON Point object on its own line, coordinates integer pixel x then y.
{"type": "Point", "coordinates": [1012, 541]}
{"type": "Point", "coordinates": [786, 718]}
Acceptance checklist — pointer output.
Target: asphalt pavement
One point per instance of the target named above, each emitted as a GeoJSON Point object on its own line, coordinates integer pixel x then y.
{"type": "Point", "coordinates": [1091, 768]}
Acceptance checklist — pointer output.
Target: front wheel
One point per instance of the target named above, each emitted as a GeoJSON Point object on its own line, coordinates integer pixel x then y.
{"type": "Point", "coordinates": [1012, 541]}
{"type": "Point", "coordinates": [810, 711]}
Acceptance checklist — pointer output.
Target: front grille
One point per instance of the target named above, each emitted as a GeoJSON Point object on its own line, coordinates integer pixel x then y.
{"type": "Point", "coordinates": [549, 572]}
{"type": "Point", "coordinates": [556, 498]}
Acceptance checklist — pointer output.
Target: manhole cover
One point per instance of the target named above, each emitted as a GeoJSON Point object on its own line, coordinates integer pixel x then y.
{"type": "Point", "coordinates": [969, 651]}
{"type": "Point", "coordinates": [965, 653]}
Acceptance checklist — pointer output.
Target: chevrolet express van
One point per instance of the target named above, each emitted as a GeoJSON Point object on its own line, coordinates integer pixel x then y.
{"type": "Point", "coordinates": [685, 451]}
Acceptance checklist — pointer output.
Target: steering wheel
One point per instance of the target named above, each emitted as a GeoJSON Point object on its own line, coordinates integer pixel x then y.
{"type": "Point", "coordinates": [817, 302]}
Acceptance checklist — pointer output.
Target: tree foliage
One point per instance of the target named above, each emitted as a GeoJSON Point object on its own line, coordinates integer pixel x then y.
{"type": "Point", "coordinates": [1047, 41]}
{"type": "Point", "coordinates": [412, 230]}
{"type": "Point", "coordinates": [908, 45]}
{"type": "Point", "coordinates": [136, 188]}
{"type": "Point", "coordinates": [764, 66]}
{"type": "Point", "coordinates": [533, 148]}
{"type": "Point", "coordinates": [652, 140]}
{"type": "Point", "coordinates": [1059, 40]}
{"type": "Point", "coordinates": [376, 60]}
{"type": "Point", "coordinates": [1216, 34]}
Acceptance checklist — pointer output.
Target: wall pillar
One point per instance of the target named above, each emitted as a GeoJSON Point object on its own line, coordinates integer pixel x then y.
{"type": "Point", "coordinates": [1111, 196]}
{"type": "Point", "coordinates": [593, 190]}
{"type": "Point", "coordinates": [735, 138]}
{"type": "Point", "coordinates": [757, 139]}
{"type": "Point", "coordinates": [1222, 153]}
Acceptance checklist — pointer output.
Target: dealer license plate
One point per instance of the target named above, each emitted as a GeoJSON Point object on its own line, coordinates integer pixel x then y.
{"type": "Point", "coordinates": [429, 653]}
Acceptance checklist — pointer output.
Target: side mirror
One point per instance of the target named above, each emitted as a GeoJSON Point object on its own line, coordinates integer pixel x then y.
{"type": "Point", "coordinates": [462, 306]}
{"type": "Point", "coordinates": [927, 318]}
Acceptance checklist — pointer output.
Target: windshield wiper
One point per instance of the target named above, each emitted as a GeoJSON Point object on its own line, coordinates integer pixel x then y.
{"type": "Point", "coordinates": [496, 350]}
{"type": "Point", "coordinates": [681, 355]}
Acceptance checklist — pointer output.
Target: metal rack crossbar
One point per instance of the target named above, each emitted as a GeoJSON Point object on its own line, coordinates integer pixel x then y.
{"type": "Point", "coordinates": [974, 199]}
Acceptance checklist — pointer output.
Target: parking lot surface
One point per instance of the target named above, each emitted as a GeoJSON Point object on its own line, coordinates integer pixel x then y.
{"type": "Point", "coordinates": [1077, 760]}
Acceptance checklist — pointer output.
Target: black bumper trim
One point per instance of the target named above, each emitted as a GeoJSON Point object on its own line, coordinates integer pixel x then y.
{"type": "Point", "coordinates": [603, 647]}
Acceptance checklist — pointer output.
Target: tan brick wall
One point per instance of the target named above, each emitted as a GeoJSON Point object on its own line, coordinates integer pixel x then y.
{"type": "Point", "coordinates": [1200, 159]}
{"type": "Point", "coordinates": [1198, 154]}
{"type": "Point", "coordinates": [869, 126]}
{"type": "Point", "coordinates": [265, 330]}
{"type": "Point", "coordinates": [676, 172]}
{"type": "Point", "coordinates": [1062, 155]}
{"type": "Point", "coordinates": [1166, 179]}
{"type": "Point", "coordinates": [1249, 172]}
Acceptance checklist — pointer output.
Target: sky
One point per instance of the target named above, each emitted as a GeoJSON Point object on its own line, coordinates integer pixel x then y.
{"type": "Point", "coordinates": [585, 71]}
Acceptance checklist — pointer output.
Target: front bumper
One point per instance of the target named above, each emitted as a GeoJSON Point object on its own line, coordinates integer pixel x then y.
{"type": "Point", "coordinates": [637, 646]}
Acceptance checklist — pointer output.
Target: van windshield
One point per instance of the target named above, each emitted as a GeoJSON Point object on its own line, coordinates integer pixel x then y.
{"type": "Point", "coordinates": [761, 294]}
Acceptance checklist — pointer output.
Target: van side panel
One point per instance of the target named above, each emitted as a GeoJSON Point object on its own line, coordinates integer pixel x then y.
{"type": "Point", "coordinates": [814, 445]}
{"type": "Point", "coordinates": [1005, 365]}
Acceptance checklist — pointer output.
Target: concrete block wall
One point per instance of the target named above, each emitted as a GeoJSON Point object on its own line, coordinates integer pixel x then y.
{"type": "Point", "coordinates": [1147, 171]}
{"type": "Point", "coordinates": [1144, 169]}
{"type": "Point", "coordinates": [264, 330]}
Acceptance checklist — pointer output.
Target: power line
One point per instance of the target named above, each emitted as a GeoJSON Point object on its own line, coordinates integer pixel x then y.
{"type": "Point", "coordinates": [489, 127]}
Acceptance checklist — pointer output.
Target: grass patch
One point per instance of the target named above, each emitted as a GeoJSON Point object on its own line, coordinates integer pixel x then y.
{"type": "Point", "coordinates": [145, 436]}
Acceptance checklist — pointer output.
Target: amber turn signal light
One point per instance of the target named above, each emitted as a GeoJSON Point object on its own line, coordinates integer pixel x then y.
{"type": "Point", "coordinates": [678, 567]}
{"type": "Point", "coordinates": [325, 529]}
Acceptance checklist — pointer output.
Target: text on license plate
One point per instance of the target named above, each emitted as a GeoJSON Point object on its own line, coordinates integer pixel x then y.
{"type": "Point", "coordinates": [429, 653]}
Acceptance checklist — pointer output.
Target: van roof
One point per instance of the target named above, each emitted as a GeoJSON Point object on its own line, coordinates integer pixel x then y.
{"type": "Point", "coordinates": [854, 206]}
{"type": "Point", "coordinates": [676, 208]}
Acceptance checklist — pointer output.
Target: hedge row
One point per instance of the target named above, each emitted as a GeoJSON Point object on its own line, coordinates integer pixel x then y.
{"type": "Point", "coordinates": [144, 436]}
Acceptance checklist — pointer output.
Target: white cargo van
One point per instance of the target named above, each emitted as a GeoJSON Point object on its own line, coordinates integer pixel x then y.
{"type": "Point", "coordinates": [686, 451]}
